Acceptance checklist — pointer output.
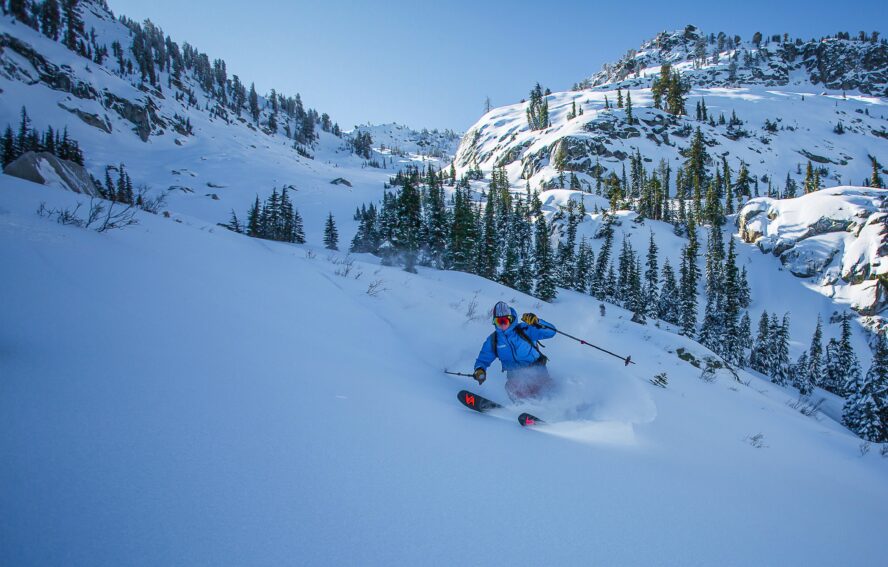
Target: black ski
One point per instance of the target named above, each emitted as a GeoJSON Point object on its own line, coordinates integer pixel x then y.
{"type": "Point", "coordinates": [481, 404]}
{"type": "Point", "coordinates": [475, 402]}
{"type": "Point", "coordinates": [527, 420]}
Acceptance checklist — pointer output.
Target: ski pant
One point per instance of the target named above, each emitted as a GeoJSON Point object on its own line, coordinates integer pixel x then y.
{"type": "Point", "coordinates": [532, 381]}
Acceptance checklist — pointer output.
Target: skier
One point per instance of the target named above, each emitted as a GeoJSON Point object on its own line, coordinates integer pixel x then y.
{"type": "Point", "coordinates": [515, 344]}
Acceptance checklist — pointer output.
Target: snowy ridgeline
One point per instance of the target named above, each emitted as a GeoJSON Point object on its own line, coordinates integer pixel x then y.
{"type": "Point", "coordinates": [840, 62]}
{"type": "Point", "coordinates": [174, 391]}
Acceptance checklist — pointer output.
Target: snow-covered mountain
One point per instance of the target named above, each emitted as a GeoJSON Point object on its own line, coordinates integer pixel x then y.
{"type": "Point", "coordinates": [175, 392]}
{"type": "Point", "coordinates": [185, 128]}
{"type": "Point", "coordinates": [771, 111]}
{"type": "Point", "coordinates": [401, 141]}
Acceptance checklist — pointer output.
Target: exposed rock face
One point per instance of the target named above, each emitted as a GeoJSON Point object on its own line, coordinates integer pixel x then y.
{"type": "Point", "coordinates": [47, 169]}
{"type": "Point", "coordinates": [839, 235]}
{"type": "Point", "coordinates": [94, 120]}
{"type": "Point", "coordinates": [141, 113]}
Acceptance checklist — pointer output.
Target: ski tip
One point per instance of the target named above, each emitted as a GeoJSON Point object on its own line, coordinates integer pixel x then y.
{"type": "Point", "coordinates": [528, 420]}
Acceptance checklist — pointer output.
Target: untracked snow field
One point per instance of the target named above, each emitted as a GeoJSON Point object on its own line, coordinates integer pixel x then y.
{"type": "Point", "coordinates": [175, 393]}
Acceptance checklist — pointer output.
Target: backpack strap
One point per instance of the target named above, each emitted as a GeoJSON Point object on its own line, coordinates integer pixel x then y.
{"type": "Point", "coordinates": [524, 336]}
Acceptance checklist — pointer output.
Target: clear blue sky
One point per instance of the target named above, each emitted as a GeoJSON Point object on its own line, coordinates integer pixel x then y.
{"type": "Point", "coordinates": [432, 64]}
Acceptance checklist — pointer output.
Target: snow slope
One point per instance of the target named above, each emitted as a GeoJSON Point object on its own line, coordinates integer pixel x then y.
{"type": "Point", "coordinates": [177, 393]}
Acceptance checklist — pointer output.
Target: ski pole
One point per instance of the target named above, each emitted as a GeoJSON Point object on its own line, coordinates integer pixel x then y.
{"type": "Point", "coordinates": [627, 360]}
{"type": "Point", "coordinates": [459, 374]}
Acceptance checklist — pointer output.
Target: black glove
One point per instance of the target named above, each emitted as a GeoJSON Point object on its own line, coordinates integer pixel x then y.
{"type": "Point", "coordinates": [531, 319]}
{"type": "Point", "coordinates": [480, 375]}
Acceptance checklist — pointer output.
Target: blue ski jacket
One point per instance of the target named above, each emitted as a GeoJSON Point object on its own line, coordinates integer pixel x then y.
{"type": "Point", "coordinates": [512, 350]}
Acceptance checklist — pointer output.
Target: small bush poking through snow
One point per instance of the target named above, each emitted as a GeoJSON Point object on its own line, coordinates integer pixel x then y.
{"type": "Point", "coordinates": [757, 441]}
{"type": "Point", "coordinates": [806, 407]}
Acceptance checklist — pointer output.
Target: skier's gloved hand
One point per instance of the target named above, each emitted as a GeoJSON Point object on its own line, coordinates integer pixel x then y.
{"type": "Point", "coordinates": [480, 375]}
{"type": "Point", "coordinates": [531, 319]}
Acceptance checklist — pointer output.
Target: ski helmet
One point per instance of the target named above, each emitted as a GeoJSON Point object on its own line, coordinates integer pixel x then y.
{"type": "Point", "coordinates": [501, 309]}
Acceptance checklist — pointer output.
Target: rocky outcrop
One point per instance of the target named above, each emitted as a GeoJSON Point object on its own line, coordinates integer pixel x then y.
{"type": "Point", "coordinates": [94, 120]}
{"type": "Point", "coordinates": [838, 235]}
{"type": "Point", "coordinates": [46, 169]}
{"type": "Point", "coordinates": [42, 70]}
{"type": "Point", "coordinates": [142, 114]}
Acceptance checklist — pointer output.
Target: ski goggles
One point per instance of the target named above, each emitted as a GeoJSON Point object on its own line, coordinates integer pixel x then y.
{"type": "Point", "coordinates": [503, 321]}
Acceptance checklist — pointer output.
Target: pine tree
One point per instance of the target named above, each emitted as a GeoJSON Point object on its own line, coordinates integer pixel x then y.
{"type": "Point", "coordinates": [876, 178]}
{"type": "Point", "coordinates": [778, 361]}
{"type": "Point", "coordinates": [669, 308]}
{"type": "Point", "coordinates": [512, 257]}
{"type": "Point", "coordinates": [636, 302]}
{"type": "Point", "coordinates": [743, 289]}
{"type": "Point", "coordinates": [599, 277]}
{"type": "Point", "coordinates": [833, 373]}
{"type": "Point", "coordinates": [759, 357]}
{"type": "Point", "coordinates": [626, 263]}
{"type": "Point", "coordinates": [234, 224]}
{"type": "Point", "coordinates": [810, 186]}
{"type": "Point", "coordinates": [487, 261]}
{"type": "Point", "coordinates": [437, 220]}
{"type": "Point", "coordinates": [9, 149]}
{"type": "Point", "coordinates": [847, 359]}
{"type": "Point", "coordinates": [697, 158]}
{"type": "Point", "coordinates": [741, 188]}
{"type": "Point", "coordinates": [866, 408]}
{"type": "Point", "coordinates": [813, 374]}
{"type": "Point", "coordinates": [298, 234]}
{"type": "Point", "coordinates": [409, 225]}
{"type": "Point", "coordinates": [619, 98]}
{"type": "Point", "coordinates": [331, 235]}
{"type": "Point", "coordinates": [19, 10]}
{"type": "Point", "coordinates": [583, 269]}
{"type": "Point", "coordinates": [660, 84]}
{"type": "Point", "coordinates": [254, 103]}
{"type": "Point", "coordinates": [711, 330]}
{"type": "Point", "coordinates": [523, 236]}
{"type": "Point", "coordinates": [629, 117]}
{"type": "Point", "coordinates": [50, 19]}
{"type": "Point", "coordinates": [537, 109]}
{"type": "Point", "coordinates": [744, 332]}
{"type": "Point", "coordinates": [732, 342]}
{"type": "Point", "coordinates": [690, 275]}
{"type": "Point", "coordinates": [545, 278]}
{"type": "Point", "coordinates": [651, 280]}
{"type": "Point", "coordinates": [463, 233]}
{"type": "Point", "coordinates": [253, 226]}
{"type": "Point", "coordinates": [74, 28]}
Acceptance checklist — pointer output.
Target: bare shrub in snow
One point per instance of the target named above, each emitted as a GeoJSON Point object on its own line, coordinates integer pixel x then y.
{"type": "Point", "coordinates": [149, 204]}
{"type": "Point", "coordinates": [375, 288]}
{"type": "Point", "coordinates": [472, 308]}
{"type": "Point", "coordinates": [864, 448]}
{"type": "Point", "coordinates": [806, 407]}
{"type": "Point", "coordinates": [310, 255]}
{"type": "Point", "coordinates": [884, 450]}
{"type": "Point", "coordinates": [345, 266]}
{"type": "Point", "coordinates": [99, 217]}
{"type": "Point", "coordinates": [757, 441]}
